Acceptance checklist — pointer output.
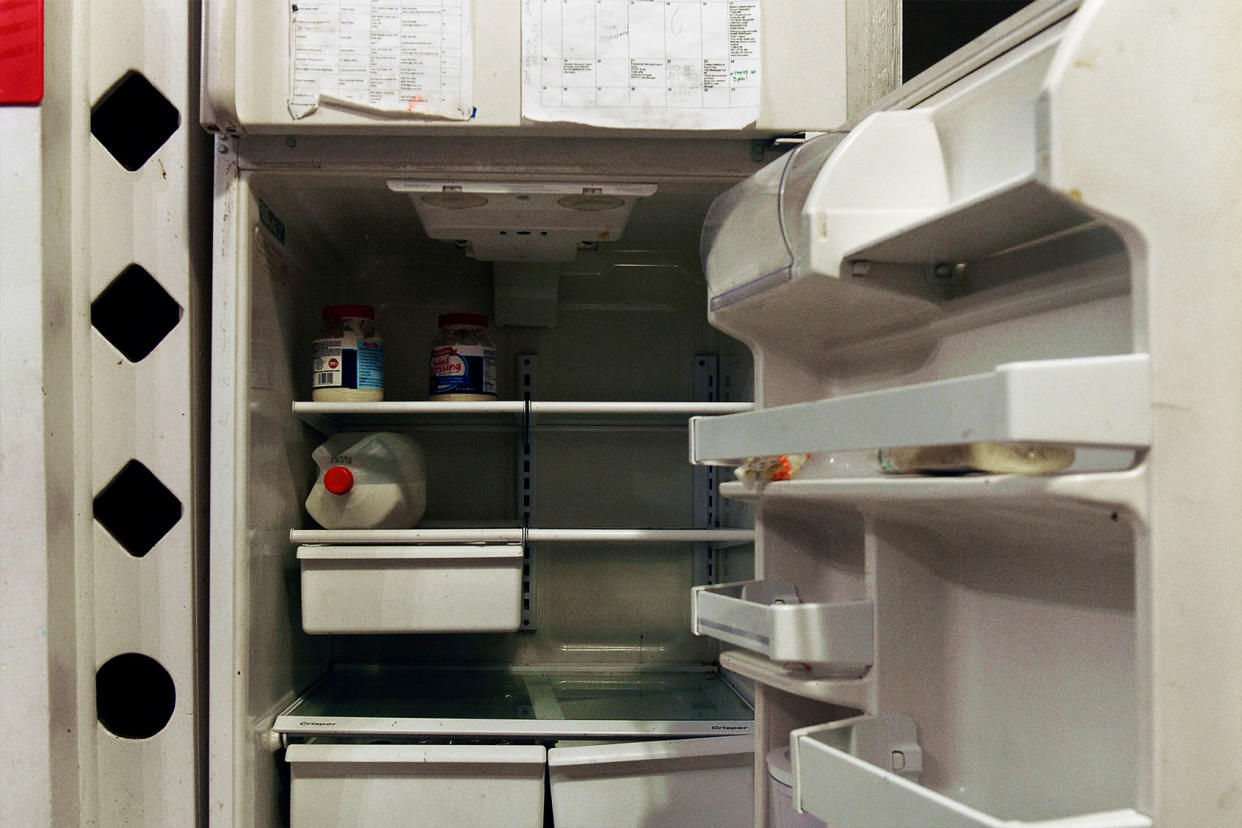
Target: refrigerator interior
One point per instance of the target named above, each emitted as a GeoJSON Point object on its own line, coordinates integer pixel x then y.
{"type": "Point", "coordinates": [629, 327]}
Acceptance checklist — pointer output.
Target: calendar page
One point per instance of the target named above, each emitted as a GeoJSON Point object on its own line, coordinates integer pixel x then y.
{"type": "Point", "coordinates": [655, 64]}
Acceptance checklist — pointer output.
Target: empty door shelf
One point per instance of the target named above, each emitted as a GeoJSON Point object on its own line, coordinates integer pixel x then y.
{"type": "Point", "coordinates": [768, 618]}
{"type": "Point", "coordinates": [864, 772]}
{"type": "Point", "coordinates": [386, 784]}
{"type": "Point", "coordinates": [648, 784]}
{"type": "Point", "coordinates": [411, 589]}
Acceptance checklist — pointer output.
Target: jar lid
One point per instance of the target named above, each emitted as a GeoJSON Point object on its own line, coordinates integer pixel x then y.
{"type": "Point", "coordinates": [476, 319]}
{"type": "Point", "coordinates": [351, 311]}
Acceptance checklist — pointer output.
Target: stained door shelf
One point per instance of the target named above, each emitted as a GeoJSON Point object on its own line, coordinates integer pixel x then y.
{"type": "Point", "coordinates": [768, 618]}
{"type": "Point", "coordinates": [801, 679]}
{"type": "Point", "coordinates": [331, 417]}
{"type": "Point", "coordinates": [1093, 401]}
{"type": "Point", "coordinates": [1065, 495]}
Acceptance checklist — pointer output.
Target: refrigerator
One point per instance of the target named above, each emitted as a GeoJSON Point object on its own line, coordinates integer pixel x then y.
{"type": "Point", "coordinates": [1028, 244]}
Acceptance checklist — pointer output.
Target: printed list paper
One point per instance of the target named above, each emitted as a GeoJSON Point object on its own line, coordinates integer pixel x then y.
{"type": "Point", "coordinates": [656, 64]}
{"type": "Point", "coordinates": [390, 58]}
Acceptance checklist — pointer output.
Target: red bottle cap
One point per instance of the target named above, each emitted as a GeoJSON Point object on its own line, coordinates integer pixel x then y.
{"type": "Point", "coordinates": [342, 311]}
{"type": "Point", "coordinates": [338, 480]}
{"type": "Point", "coordinates": [477, 319]}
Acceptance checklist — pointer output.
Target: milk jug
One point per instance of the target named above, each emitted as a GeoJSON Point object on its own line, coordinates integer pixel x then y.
{"type": "Point", "coordinates": [368, 480]}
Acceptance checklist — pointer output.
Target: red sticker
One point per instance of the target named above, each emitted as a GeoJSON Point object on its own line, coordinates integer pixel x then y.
{"type": "Point", "coordinates": [21, 51]}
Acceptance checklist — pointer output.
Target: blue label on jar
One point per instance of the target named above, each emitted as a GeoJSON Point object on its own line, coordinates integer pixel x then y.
{"type": "Point", "coordinates": [370, 364]}
{"type": "Point", "coordinates": [463, 369]}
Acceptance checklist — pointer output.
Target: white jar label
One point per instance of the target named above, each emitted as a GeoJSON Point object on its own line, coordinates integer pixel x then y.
{"type": "Point", "coordinates": [348, 362]}
{"type": "Point", "coordinates": [463, 369]}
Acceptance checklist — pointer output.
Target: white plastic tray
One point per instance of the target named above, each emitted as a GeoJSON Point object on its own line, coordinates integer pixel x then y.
{"type": "Point", "coordinates": [390, 589]}
{"type": "Point", "coordinates": [767, 617]}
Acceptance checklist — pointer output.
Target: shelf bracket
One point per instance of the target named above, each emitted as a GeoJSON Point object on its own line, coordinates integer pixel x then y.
{"type": "Point", "coordinates": [706, 482]}
{"type": "Point", "coordinates": [527, 365]}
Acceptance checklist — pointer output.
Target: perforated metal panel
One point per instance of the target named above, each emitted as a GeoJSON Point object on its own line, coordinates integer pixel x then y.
{"type": "Point", "coordinates": [121, 233]}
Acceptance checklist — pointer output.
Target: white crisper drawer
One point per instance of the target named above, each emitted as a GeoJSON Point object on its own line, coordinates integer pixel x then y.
{"type": "Point", "coordinates": [398, 785]}
{"type": "Point", "coordinates": [390, 589]}
{"type": "Point", "coordinates": [863, 772]}
{"type": "Point", "coordinates": [768, 618]}
{"type": "Point", "coordinates": [649, 784]}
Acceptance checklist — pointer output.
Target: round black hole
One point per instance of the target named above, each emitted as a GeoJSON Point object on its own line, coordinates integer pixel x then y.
{"type": "Point", "coordinates": [134, 696]}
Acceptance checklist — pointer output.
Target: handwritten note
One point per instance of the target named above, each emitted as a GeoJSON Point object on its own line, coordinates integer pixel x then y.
{"type": "Point", "coordinates": [393, 58]}
{"type": "Point", "coordinates": [656, 64]}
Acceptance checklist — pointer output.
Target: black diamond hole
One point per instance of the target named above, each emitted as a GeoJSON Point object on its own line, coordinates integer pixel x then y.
{"type": "Point", "coordinates": [134, 696]}
{"type": "Point", "coordinates": [133, 119]}
{"type": "Point", "coordinates": [137, 509]}
{"type": "Point", "coordinates": [135, 313]}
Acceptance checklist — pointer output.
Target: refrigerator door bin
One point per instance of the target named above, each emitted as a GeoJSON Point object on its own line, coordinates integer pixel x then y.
{"type": "Point", "coordinates": [864, 771]}
{"type": "Point", "coordinates": [391, 589]}
{"type": "Point", "coordinates": [767, 617]}
{"type": "Point", "coordinates": [1100, 401]}
{"type": "Point", "coordinates": [663, 783]}
{"type": "Point", "coordinates": [386, 784]}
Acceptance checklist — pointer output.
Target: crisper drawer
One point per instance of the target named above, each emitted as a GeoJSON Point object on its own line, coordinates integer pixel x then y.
{"type": "Point", "coordinates": [392, 589]}
{"type": "Point", "coordinates": [431, 785]}
{"type": "Point", "coordinates": [679, 782]}
{"type": "Point", "coordinates": [768, 618]}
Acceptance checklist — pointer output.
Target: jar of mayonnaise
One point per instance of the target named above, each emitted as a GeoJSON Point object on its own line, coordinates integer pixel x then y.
{"type": "Point", "coordinates": [463, 359]}
{"type": "Point", "coordinates": [348, 356]}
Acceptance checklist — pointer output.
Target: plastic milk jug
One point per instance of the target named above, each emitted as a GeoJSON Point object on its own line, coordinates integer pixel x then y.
{"type": "Point", "coordinates": [369, 480]}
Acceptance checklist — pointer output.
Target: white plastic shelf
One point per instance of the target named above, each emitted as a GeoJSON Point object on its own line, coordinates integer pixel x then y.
{"type": "Point", "coordinates": [518, 535]}
{"type": "Point", "coordinates": [969, 229]}
{"type": "Point", "coordinates": [801, 679]}
{"type": "Point", "coordinates": [331, 417]}
{"type": "Point", "coordinates": [768, 618]}
{"type": "Point", "coordinates": [1048, 495]}
{"type": "Point", "coordinates": [861, 771]}
{"type": "Point", "coordinates": [1098, 401]}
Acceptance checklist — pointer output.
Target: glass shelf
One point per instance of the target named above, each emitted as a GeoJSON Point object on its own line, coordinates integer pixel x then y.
{"type": "Point", "coordinates": [331, 417]}
{"type": "Point", "coordinates": [724, 537]}
{"type": "Point", "coordinates": [529, 702]}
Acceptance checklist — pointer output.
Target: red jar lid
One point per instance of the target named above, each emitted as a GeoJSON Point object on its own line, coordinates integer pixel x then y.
{"type": "Point", "coordinates": [476, 319]}
{"type": "Point", "coordinates": [355, 311]}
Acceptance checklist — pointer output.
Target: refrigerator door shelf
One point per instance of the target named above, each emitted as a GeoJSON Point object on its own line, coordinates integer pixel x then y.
{"type": "Point", "coordinates": [329, 418]}
{"type": "Point", "coordinates": [1096, 401]}
{"type": "Point", "coordinates": [1069, 498]}
{"type": "Point", "coordinates": [767, 617]}
{"type": "Point", "coordinates": [801, 680]}
{"type": "Point", "coordinates": [864, 771]}
{"type": "Point", "coordinates": [411, 589]}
